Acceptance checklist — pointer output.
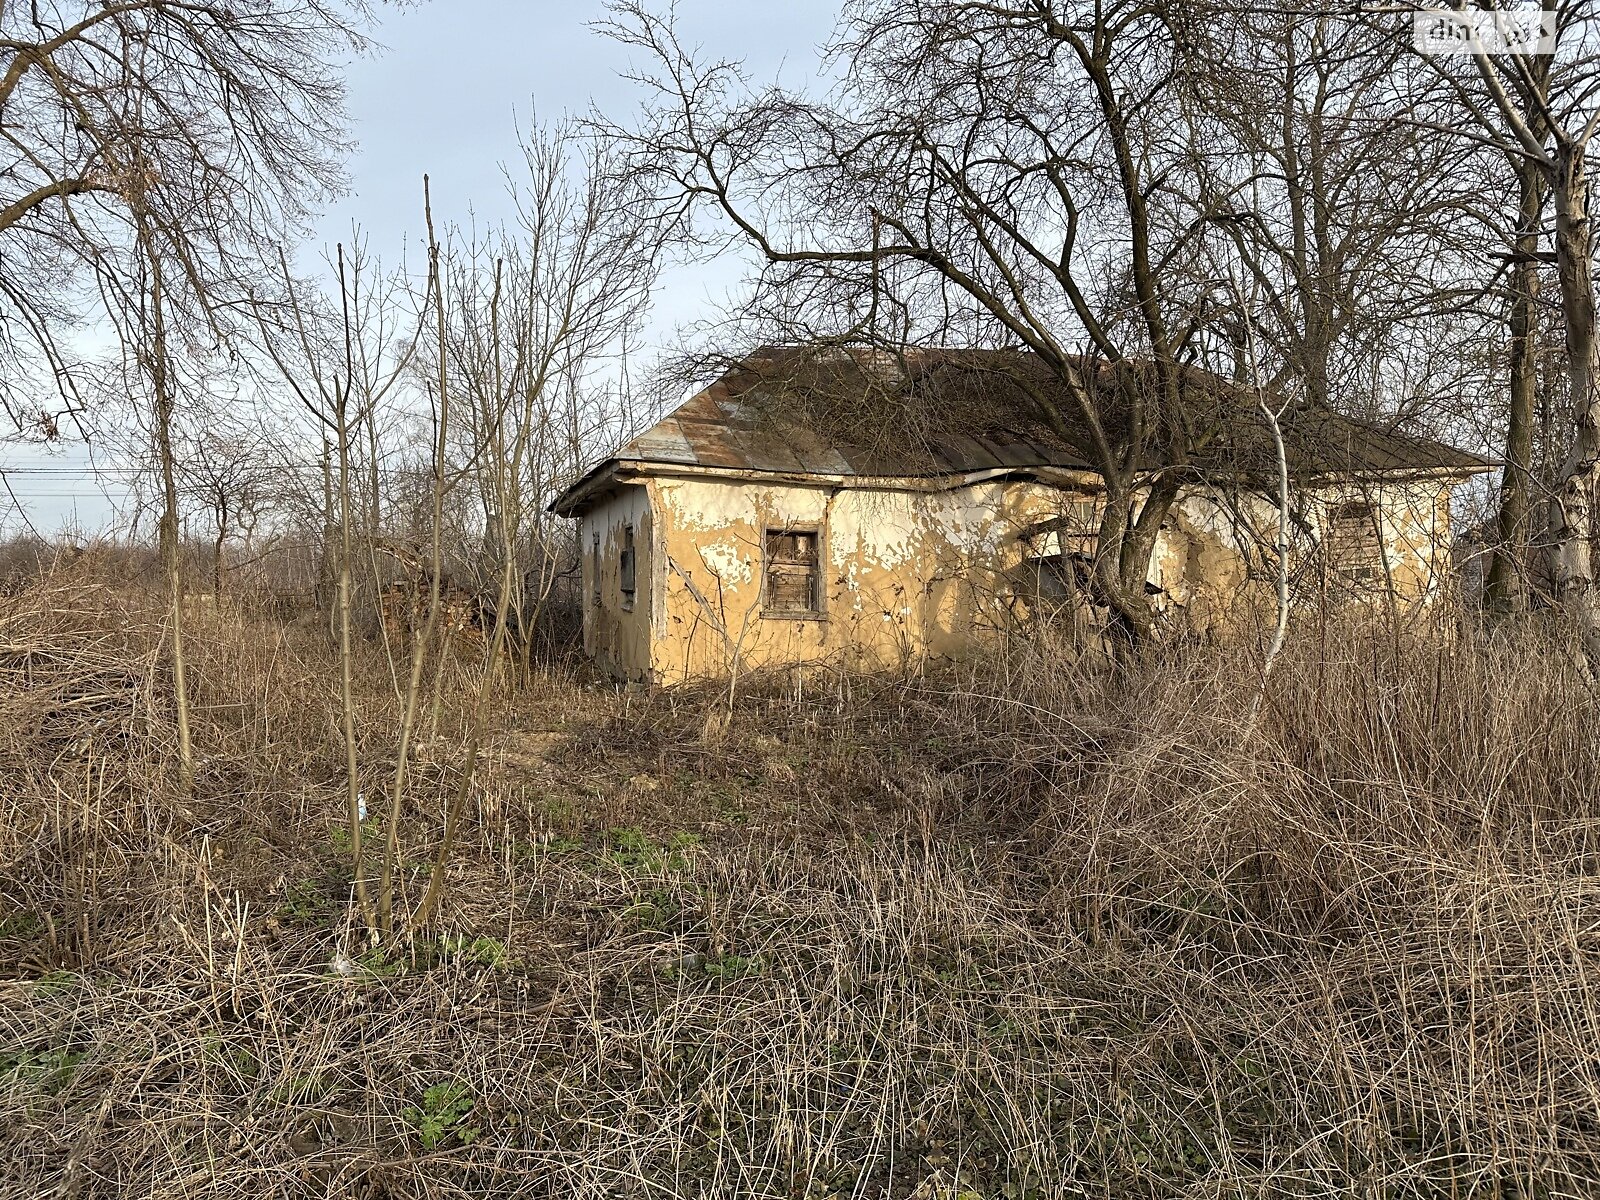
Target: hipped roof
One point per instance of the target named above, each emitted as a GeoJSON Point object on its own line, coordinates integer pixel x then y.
{"type": "Point", "coordinates": [799, 411]}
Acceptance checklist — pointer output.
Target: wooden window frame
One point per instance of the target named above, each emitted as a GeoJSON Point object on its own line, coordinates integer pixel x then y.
{"type": "Point", "coordinates": [628, 569]}
{"type": "Point", "coordinates": [1337, 547]}
{"type": "Point", "coordinates": [818, 584]}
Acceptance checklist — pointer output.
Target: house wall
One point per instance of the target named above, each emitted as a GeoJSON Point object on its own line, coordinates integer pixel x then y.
{"type": "Point", "coordinates": [1212, 540]}
{"type": "Point", "coordinates": [617, 638]}
{"type": "Point", "coordinates": [913, 574]}
{"type": "Point", "coordinates": [1414, 522]}
{"type": "Point", "coordinates": [903, 574]}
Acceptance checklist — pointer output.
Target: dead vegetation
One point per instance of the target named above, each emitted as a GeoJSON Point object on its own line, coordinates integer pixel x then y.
{"type": "Point", "coordinates": [1018, 931]}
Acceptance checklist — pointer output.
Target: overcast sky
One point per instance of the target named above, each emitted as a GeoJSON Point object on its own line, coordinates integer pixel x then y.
{"type": "Point", "coordinates": [445, 96]}
{"type": "Point", "coordinates": [458, 76]}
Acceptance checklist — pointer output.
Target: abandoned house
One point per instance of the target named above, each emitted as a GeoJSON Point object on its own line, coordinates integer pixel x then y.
{"type": "Point", "coordinates": [736, 534]}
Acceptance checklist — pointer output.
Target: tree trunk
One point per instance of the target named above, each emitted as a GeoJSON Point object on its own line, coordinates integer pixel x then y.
{"type": "Point", "coordinates": [422, 644]}
{"type": "Point", "coordinates": [1572, 507]}
{"type": "Point", "coordinates": [171, 550]}
{"type": "Point", "coordinates": [327, 568]}
{"type": "Point", "coordinates": [217, 545]}
{"type": "Point", "coordinates": [1126, 546]}
{"type": "Point", "coordinates": [1505, 589]}
{"type": "Point", "coordinates": [347, 703]}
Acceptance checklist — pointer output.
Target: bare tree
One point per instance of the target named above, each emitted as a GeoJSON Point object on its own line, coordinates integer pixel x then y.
{"type": "Point", "coordinates": [155, 148]}
{"type": "Point", "coordinates": [1506, 585]}
{"type": "Point", "coordinates": [1542, 114]}
{"type": "Point", "coordinates": [342, 361]}
{"type": "Point", "coordinates": [505, 368]}
{"type": "Point", "coordinates": [1002, 174]}
{"type": "Point", "coordinates": [1507, 582]}
{"type": "Point", "coordinates": [541, 320]}
{"type": "Point", "coordinates": [194, 130]}
{"type": "Point", "coordinates": [1362, 232]}
{"type": "Point", "coordinates": [232, 477]}
{"type": "Point", "coordinates": [152, 353]}
{"type": "Point", "coordinates": [538, 320]}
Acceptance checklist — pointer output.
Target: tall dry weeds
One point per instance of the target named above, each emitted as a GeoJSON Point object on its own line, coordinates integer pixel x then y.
{"type": "Point", "coordinates": [1017, 931]}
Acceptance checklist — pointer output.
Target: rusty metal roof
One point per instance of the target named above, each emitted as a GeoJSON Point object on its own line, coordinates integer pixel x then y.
{"type": "Point", "coordinates": [754, 419]}
{"type": "Point", "coordinates": [729, 426]}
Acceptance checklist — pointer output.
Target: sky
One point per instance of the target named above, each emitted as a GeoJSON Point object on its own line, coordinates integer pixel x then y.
{"type": "Point", "coordinates": [444, 96]}
{"type": "Point", "coordinates": [460, 75]}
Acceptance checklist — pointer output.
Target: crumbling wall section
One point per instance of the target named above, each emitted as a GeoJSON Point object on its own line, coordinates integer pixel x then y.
{"type": "Point", "coordinates": [905, 572]}
{"type": "Point", "coordinates": [1216, 561]}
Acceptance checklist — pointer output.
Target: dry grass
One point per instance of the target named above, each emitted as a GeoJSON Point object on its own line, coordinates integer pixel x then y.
{"type": "Point", "coordinates": [1025, 931]}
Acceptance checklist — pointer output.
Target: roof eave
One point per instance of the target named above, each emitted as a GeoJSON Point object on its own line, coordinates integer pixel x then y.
{"type": "Point", "coordinates": [623, 470]}
{"type": "Point", "coordinates": [579, 495]}
{"type": "Point", "coordinates": [1458, 472]}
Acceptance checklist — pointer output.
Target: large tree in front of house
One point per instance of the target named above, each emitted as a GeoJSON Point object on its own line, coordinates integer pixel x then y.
{"type": "Point", "coordinates": [984, 174]}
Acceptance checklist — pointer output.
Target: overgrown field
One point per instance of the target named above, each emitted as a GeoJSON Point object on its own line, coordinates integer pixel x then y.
{"type": "Point", "coordinates": [1024, 930]}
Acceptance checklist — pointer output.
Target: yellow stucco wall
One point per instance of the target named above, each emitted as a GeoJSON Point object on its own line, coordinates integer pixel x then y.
{"type": "Point", "coordinates": [909, 574]}
{"type": "Point", "coordinates": [903, 573]}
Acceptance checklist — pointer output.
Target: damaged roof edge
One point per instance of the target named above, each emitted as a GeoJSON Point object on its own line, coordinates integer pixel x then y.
{"type": "Point", "coordinates": [571, 501]}
{"type": "Point", "coordinates": [609, 472]}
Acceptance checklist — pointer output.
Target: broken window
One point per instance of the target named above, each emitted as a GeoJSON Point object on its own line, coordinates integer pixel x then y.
{"type": "Point", "coordinates": [1354, 551]}
{"type": "Point", "coordinates": [1058, 554]}
{"type": "Point", "coordinates": [626, 568]}
{"type": "Point", "coordinates": [1050, 579]}
{"type": "Point", "coordinates": [793, 571]}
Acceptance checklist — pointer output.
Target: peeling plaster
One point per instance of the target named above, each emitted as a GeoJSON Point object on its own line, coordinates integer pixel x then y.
{"type": "Point", "coordinates": [620, 639]}
{"type": "Point", "coordinates": [916, 573]}
{"type": "Point", "coordinates": [731, 564]}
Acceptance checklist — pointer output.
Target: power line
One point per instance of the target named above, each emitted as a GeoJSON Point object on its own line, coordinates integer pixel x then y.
{"type": "Point", "coordinates": [79, 472]}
